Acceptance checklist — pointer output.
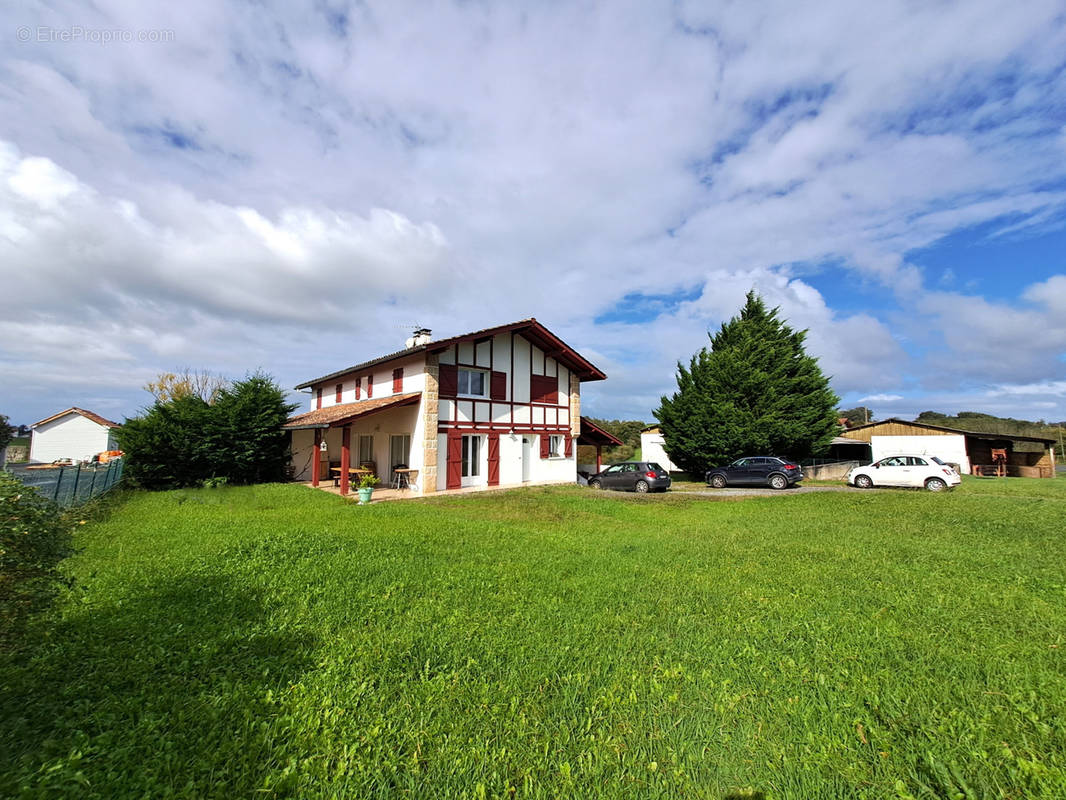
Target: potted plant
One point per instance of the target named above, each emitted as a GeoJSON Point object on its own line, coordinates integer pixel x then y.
{"type": "Point", "coordinates": [366, 487]}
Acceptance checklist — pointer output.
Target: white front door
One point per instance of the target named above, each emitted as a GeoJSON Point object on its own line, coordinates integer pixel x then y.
{"type": "Point", "coordinates": [473, 461]}
{"type": "Point", "coordinates": [527, 456]}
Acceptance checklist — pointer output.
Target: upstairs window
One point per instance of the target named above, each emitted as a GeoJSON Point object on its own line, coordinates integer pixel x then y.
{"type": "Point", "coordinates": [340, 391]}
{"type": "Point", "coordinates": [318, 398]}
{"type": "Point", "coordinates": [472, 382]}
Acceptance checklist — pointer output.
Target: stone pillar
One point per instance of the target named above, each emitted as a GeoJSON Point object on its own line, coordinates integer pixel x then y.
{"type": "Point", "coordinates": [430, 418]}
{"type": "Point", "coordinates": [575, 405]}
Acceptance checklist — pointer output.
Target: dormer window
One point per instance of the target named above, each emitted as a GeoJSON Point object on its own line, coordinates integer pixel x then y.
{"type": "Point", "coordinates": [473, 382]}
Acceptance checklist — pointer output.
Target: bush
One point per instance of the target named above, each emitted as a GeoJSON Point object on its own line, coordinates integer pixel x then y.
{"type": "Point", "coordinates": [187, 441]}
{"type": "Point", "coordinates": [34, 537]}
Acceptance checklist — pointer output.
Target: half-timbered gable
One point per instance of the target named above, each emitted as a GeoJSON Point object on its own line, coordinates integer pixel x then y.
{"type": "Point", "coordinates": [497, 406]}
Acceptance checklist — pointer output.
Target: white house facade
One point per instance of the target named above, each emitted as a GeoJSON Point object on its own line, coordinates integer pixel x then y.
{"type": "Point", "coordinates": [493, 407]}
{"type": "Point", "coordinates": [76, 434]}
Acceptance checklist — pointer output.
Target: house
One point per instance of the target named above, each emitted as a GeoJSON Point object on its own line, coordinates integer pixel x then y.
{"type": "Point", "coordinates": [76, 434]}
{"type": "Point", "coordinates": [973, 452]}
{"type": "Point", "coordinates": [496, 406]}
{"type": "Point", "coordinates": [652, 448]}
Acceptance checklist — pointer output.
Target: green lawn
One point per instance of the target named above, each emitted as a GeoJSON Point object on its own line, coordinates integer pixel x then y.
{"type": "Point", "coordinates": [552, 642]}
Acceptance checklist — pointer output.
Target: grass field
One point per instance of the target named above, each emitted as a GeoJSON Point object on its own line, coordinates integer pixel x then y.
{"type": "Point", "coordinates": [552, 642]}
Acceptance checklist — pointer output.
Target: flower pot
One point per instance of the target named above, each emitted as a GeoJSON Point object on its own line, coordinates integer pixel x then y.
{"type": "Point", "coordinates": [364, 495]}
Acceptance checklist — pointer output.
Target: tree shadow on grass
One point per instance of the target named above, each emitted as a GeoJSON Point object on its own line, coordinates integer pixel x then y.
{"type": "Point", "coordinates": [182, 690]}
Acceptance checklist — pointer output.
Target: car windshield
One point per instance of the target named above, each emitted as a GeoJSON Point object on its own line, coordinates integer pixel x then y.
{"type": "Point", "coordinates": [655, 467]}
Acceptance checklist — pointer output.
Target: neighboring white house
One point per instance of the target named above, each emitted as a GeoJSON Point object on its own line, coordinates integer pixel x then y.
{"type": "Point", "coordinates": [76, 434]}
{"type": "Point", "coordinates": [652, 449]}
{"type": "Point", "coordinates": [491, 407]}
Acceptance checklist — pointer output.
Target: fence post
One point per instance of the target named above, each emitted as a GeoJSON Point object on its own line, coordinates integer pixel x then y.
{"type": "Point", "coordinates": [59, 482]}
{"type": "Point", "coordinates": [74, 493]}
{"type": "Point", "coordinates": [92, 486]}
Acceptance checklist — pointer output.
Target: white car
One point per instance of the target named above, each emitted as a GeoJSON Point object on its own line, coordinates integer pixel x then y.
{"type": "Point", "coordinates": [906, 470]}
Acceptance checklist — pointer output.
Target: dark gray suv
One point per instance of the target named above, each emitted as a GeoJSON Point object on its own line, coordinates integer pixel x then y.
{"type": "Point", "coordinates": [756, 471]}
{"type": "Point", "coordinates": [632, 476]}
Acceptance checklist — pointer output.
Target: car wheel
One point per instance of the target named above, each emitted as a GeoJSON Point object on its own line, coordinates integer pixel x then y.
{"type": "Point", "coordinates": [864, 482]}
{"type": "Point", "coordinates": [778, 482]}
{"type": "Point", "coordinates": [642, 487]}
{"type": "Point", "coordinates": [718, 481]}
{"type": "Point", "coordinates": [595, 484]}
{"type": "Point", "coordinates": [935, 485]}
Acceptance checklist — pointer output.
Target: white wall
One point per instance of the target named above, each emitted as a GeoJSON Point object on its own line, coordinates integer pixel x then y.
{"type": "Point", "coordinates": [541, 470]}
{"type": "Point", "coordinates": [651, 449]}
{"type": "Point", "coordinates": [414, 380]}
{"type": "Point", "coordinates": [71, 436]}
{"type": "Point", "coordinates": [950, 448]}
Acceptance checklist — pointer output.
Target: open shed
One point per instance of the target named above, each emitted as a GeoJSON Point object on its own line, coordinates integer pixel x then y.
{"type": "Point", "coordinates": [974, 452]}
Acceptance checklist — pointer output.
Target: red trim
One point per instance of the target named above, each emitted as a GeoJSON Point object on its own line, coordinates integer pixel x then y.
{"type": "Point", "coordinates": [369, 386]}
{"type": "Point", "coordinates": [397, 380]}
{"type": "Point", "coordinates": [318, 398]}
{"type": "Point", "coordinates": [544, 389]}
{"type": "Point", "coordinates": [340, 391]}
{"type": "Point", "coordinates": [316, 456]}
{"type": "Point", "coordinates": [545, 445]}
{"type": "Point", "coordinates": [494, 459]}
{"type": "Point", "coordinates": [358, 388]}
{"type": "Point", "coordinates": [569, 449]}
{"type": "Point", "coordinates": [346, 456]}
{"type": "Point", "coordinates": [454, 462]}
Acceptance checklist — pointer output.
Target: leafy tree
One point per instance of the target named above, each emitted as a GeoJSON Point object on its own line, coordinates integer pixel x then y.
{"type": "Point", "coordinates": [170, 386]}
{"type": "Point", "coordinates": [856, 416]}
{"type": "Point", "coordinates": [754, 391]}
{"type": "Point", "coordinates": [7, 432]}
{"type": "Point", "coordinates": [187, 441]}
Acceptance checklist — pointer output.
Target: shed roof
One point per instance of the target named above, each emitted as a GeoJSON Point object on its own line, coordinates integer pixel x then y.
{"type": "Point", "coordinates": [344, 413]}
{"type": "Point", "coordinates": [530, 328]}
{"type": "Point", "coordinates": [89, 415]}
{"type": "Point", "coordinates": [975, 434]}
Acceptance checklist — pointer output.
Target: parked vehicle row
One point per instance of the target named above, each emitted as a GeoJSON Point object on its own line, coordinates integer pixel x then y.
{"type": "Point", "coordinates": [919, 471]}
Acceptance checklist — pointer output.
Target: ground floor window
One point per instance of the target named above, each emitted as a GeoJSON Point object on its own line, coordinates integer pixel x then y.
{"type": "Point", "coordinates": [555, 447]}
{"type": "Point", "coordinates": [471, 457]}
{"type": "Point", "coordinates": [366, 448]}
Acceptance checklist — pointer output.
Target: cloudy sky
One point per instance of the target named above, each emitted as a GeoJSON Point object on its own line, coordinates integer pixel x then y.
{"type": "Point", "coordinates": [232, 186]}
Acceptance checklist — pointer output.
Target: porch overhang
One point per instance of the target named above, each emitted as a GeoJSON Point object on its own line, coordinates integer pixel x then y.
{"type": "Point", "coordinates": [346, 413]}
{"type": "Point", "coordinates": [595, 436]}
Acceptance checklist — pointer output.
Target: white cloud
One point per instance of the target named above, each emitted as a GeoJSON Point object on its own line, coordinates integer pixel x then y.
{"type": "Point", "coordinates": [275, 182]}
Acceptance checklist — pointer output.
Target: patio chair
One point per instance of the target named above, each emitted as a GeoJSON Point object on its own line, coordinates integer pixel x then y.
{"type": "Point", "coordinates": [399, 479]}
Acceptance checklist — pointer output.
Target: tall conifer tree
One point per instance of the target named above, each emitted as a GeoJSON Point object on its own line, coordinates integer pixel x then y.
{"type": "Point", "coordinates": [754, 392]}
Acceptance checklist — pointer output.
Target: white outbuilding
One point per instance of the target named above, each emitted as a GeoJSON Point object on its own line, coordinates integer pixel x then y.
{"type": "Point", "coordinates": [652, 448]}
{"type": "Point", "coordinates": [76, 434]}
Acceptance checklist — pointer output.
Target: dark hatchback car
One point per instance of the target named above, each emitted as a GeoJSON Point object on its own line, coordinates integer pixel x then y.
{"type": "Point", "coordinates": [632, 476]}
{"type": "Point", "coordinates": [777, 473]}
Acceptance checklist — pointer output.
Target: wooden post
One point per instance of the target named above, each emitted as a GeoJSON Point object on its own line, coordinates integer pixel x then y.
{"type": "Point", "coordinates": [316, 457]}
{"type": "Point", "coordinates": [599, 458]}
{"type": "Point", "coordinates": [346, 456]}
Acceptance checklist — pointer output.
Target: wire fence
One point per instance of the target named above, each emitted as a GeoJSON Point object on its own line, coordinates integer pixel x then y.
{"type": "Point", "coordinates": [73, 485]}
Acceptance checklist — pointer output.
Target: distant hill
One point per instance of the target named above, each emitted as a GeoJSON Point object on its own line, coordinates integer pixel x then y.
{"type": "Point", "coordinates": [987, 423]}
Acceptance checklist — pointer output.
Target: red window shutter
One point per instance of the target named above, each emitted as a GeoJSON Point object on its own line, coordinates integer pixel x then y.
{"type": "Point", "coordinates": [358, 388]}
{"type": "Point", "coordinates": [454, 460]}
{"type": "Point", "coordinates": [569, 446]}
{"type": "Point", "coordinates": [545, 445]}
{"type": "Point", "coordinates": [544, 389]}
{"type": "Point", "coordinates": [494, 459]}
{"type": "Point", "coordinates": [397, 380]}
{"type": "Point", "coordinates": [498, 386]}
{"type": "Point", "coordinates": [318, 398]}
{"type": "Point", "coordinates": [449, 380]}
{"type": "Point", "coordinates": [340, 391]}
{"type": "Point", "coordinates": [369, 386]}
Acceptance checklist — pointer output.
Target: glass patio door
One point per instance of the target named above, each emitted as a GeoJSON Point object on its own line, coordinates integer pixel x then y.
{"type": "Point", "coordinates": [399, 453]}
